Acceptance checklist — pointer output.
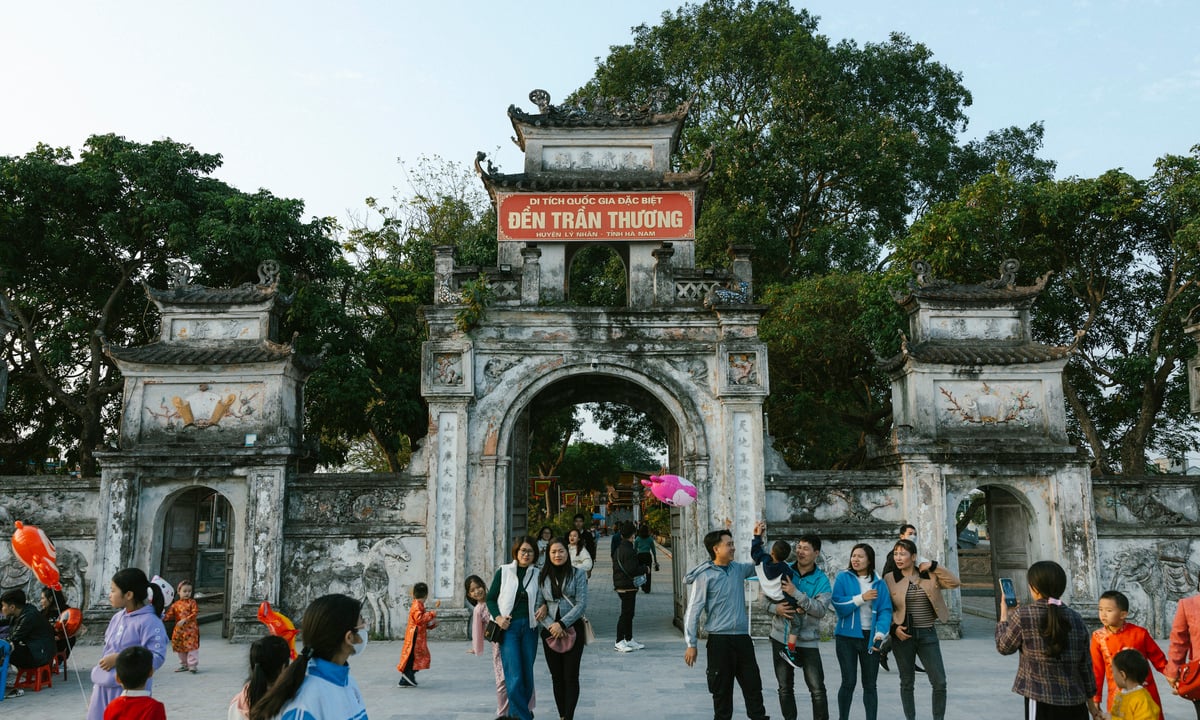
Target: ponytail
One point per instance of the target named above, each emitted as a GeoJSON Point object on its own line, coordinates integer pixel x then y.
{"type": "Point", "coordinates": [283, 689]}
{"type": "Point", "coordinates": [133, 580]}
{"type": "Point", "coordinates": [1050, 581]}
{"type": "Point", "coordinates": [268, 657]}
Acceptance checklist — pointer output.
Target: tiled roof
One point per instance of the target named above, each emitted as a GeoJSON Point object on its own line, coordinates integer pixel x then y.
{"type": "Point", "coordinates": [200, 295]}
{"type": "Point", "coordinates": [976, 353]}
{"type": "Point", "coordinates": [598, 115]}
{"type": "Point", "coordinates": [234, 352]}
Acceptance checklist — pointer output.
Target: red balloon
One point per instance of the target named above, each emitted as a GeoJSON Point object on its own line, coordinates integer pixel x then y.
{"type": "Point", "coordinates": [278, 624]}
{"type": "Point", "coordinates": [69, 621]}
{"type": "Point", "coordinates": [35, 550]}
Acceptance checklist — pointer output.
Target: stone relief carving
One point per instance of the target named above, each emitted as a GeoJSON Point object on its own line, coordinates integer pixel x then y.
{"type": "Point", "coordinates": [743, 368]}
{"type": "Point", "coordinates": [222, 329]}
{"type": "Point", "coordinates": [344, 506]}
{"type": "Point", "coordinates": [72, 574]}
{"type": "Point", "coordinates": [385, 564]}
{"type": "Point", "coordinates": [718, 295]}
{"type": "Point", "coordinates": [1146, 508]}
{"type": "Point", "coordinates": [205, 407]}
{"type": "Point", "coordinates": [990, 406]}
{"type": "Point", "coordinates": [696, 369]}
{"type": "Point", "coordinates": [359, 568]}
{"type": "Point", "coordinates": [447, 369]}
{"type": "Point", "coordinates": [495, 367]}
{"type": "Point", "coordinates": [821, 504]}
{"type": "Point", "coordinates": [1154, 578]}
{"type": "Point", "coordinates": [604, 159]}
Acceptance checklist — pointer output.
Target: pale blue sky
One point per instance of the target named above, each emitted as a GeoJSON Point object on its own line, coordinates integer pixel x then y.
{"type": "Point", "coordinates": [318, 100]}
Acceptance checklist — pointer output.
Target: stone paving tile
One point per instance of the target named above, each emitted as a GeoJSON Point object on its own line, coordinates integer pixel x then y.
{"type": "Point", "coordinates": [650, 683]}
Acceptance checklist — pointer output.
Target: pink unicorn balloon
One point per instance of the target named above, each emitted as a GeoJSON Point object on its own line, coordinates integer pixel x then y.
{"type": "Point", "coordinates": [671, 489]}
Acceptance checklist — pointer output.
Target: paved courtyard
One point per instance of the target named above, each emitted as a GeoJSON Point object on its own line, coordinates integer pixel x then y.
{"type": "Point", "coordinates": [651, 683]}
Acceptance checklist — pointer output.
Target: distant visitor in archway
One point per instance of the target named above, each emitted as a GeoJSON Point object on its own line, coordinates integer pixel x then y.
{"type": "Point", "coordinates": [628, 576]}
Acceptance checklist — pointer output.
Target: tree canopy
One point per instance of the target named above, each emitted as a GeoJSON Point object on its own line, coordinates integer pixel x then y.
{"type": "Point", "coordinates": [77, 237]}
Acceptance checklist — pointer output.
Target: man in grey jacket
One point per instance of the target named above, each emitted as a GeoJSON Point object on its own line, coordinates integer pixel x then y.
{"type": "Point", "coordinates": [814, 597]}
{"type": "Point", "coordinates": [717, 589]}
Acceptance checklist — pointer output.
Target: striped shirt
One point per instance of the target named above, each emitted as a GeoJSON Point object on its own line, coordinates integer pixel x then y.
{"type": "Point", "coordinates": [920, 609]}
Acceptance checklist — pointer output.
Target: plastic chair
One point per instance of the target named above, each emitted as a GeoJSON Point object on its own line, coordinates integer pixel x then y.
{"type": "Point", "coordinates": [34, 678]}
{"type": "Point", "coordinates": [5, 649]}
{"type": "Point", "coordinates": [59, 663]}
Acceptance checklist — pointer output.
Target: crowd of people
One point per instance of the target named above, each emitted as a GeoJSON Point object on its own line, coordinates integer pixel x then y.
{"type": "Point", "coordinates": [540, 598]}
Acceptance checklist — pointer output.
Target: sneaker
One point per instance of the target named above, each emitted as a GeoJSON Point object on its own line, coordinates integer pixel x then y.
{"type": "Point", "coordinates": [181, 668]}
{"type": "Point", "coordinates": [404, 682]}
{"type": "Point", "coordinates": [413, 679]}
{"type": "Point", "coordinates": [622, 646]}
{"type": "Point", "coordinates": [634, 644]}
{"type": "Point", "coordinates": [883, 661]}
{"type": "Point", "coordinates": [790, 659]}
{"type": "Point", "coordinates": [13, 693]}
{"type": "Point", "coordinates": [193, 670]}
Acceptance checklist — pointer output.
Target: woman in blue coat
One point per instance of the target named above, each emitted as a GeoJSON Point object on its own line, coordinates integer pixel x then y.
{"type": "Point", "coordinates": [864, 618]}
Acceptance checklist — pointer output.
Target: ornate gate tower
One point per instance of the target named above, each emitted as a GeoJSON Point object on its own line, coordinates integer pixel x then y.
{"type": "Point", "coordinates": [684, 348]}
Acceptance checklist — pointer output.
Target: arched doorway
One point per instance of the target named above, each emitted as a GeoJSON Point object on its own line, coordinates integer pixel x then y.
{"type": "Point", "coordinates": [601, 382]}
{"type": "Point", "coordinates": [994, 540]}
{"type": "Point", "coordinates": [597, 275]}
{"type": "Point", "coordinates": [197, 544]}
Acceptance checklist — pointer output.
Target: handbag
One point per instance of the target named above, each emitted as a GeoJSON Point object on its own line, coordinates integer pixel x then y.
{"type": "Point", "coordinates": [589, 635]}
{"type": "Point", "coordinates": [493, 632]}
{"type": "Point", "coordinates": [638, 580]}
{"type": "Point", "coordinates": [561, 644]}
{"type": "Point", "coordinates": [1187, 682]}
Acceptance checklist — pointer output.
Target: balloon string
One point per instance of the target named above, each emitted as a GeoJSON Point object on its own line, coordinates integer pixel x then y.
{"type": "Point", "coordinates": [70, 647]}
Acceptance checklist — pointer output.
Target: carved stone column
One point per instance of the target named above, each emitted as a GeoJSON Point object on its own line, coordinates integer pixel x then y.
{"type": "Point", "coordinates": [664, 275]}
{"type": "Point", "coordinates": [531, 275]}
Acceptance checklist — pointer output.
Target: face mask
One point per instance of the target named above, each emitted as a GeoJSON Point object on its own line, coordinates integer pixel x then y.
{"type": "Point", "coordinates": [359, 648]}
{"type": "Point", "coordinates": [913, 538]}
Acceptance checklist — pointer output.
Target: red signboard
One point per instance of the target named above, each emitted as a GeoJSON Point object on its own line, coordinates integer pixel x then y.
{"type": "Point", "coordinates": [667, 215]}
{"type": "Point", "coordinates": [541, 485]}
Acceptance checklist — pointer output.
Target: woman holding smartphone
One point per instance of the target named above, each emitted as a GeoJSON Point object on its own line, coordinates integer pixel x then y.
{"type": "Point", "coordinates": [864, 618]}
{"type": "Point", "coordinates": [916, 603]}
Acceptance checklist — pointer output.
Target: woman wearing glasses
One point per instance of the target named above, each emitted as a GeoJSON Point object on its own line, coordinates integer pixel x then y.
{"type": "Point", "coordinates": [512, 601]}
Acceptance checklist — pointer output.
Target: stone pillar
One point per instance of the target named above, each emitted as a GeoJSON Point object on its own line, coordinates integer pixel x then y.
{"type": "Point", "coordinates": [446, 514]}
{"type": "Point", "coordinates": [743, 271]}
{"type": "Point", "coordinates": [664, 275]}
{"type": "Point", "coordinates": [443, 272]}
{"type": "Point", "coordinates": [116, 530]}
{"type": "Point", "coordinates": [531, 275]}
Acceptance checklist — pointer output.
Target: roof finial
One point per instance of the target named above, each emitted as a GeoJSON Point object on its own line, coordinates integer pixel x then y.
{"type": "Point", "coordinates": [541, 98]}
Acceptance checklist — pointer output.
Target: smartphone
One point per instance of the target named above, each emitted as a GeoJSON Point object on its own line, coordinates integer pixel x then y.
{"type": "Point", "coordinates": [1010, 594]}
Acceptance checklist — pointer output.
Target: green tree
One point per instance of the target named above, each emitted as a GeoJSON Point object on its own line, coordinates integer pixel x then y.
{"type": "Point", "coordinates": [827, 395]}
{"type": "Point", "coordinates": [370, 389]}
{"type": "Point", "coordinates": [77, 236]}
{"type": "Point", "coordinates": [1124, 254]}
{"type": "Point", "coordinates": [822, 151]}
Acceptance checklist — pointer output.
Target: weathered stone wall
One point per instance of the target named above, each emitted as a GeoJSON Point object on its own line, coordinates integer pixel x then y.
{"type": "Point", "coordinates": [840, 507]}
{"type": "Point", "coordinates": [364, 535]}
{"type": "Point", "coordinates": [1148, 537]}
{"type": "Point", "coordinates": [65, 509]}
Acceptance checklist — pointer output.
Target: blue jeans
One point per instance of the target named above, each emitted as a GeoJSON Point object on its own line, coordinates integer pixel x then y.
{"type": "Point", "coordinates": [853, 653]}
{"type": "Point", "coordinates": [517, 652]}
{"type": "Point", "coordinates": [923, 643]}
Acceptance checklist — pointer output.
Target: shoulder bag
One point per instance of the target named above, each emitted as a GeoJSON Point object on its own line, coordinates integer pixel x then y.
{"type": "Point", "coordinates": [493, 632]}
{"type": "Point", "coordinates": [1187, 682]}
{"type": "Point", "coordinates": [638, 580]}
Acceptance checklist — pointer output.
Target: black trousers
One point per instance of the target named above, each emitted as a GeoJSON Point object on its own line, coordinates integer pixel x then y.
{"type": "Point", "coordinates": [648, 560]}
{"type": "Point", "coordinates": [731, 657]}
{"type": "Point", "coordinates": [564, 672]}
{"type": "Point", "coordinates": [625, 621]}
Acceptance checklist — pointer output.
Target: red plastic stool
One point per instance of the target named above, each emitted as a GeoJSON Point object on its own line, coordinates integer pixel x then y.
{"type": "Point", "coordinates": [34, 678]}
{"type": "Point", "coordinates": [59, 663]}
